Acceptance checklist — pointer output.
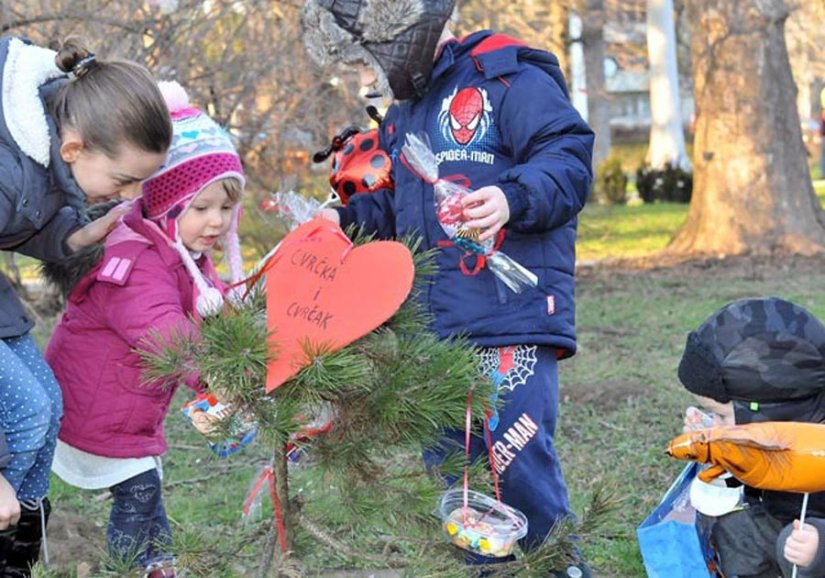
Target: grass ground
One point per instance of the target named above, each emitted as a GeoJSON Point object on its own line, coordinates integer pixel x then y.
{"type": "Point", "coordinates": [621, 399]}
{"type": "Point", "coordinates": [636, 230]}
{"type": "Point", "coordinates": [620, 404]}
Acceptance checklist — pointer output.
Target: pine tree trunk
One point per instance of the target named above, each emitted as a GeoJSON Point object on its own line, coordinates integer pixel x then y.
{"type": "Point", "coordinates": [752, 188]}
{"type": "Point", "coordinates": [271, 551]}
{"type": "Point", "coordinates": [667, 140]}
{"type": "Point", "coordinates": [597, 98]}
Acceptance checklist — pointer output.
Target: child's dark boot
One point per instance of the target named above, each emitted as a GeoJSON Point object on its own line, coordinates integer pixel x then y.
{"type": "Point", "coordinates": [6, 541]}
{"type": "Point", "coordinates": [23, 551]}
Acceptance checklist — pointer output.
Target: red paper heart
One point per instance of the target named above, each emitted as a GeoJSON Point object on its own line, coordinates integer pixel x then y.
{"type": "Point", "coordinates": [321, 290]}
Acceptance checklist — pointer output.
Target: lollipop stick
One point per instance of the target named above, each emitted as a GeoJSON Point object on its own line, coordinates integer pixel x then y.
{"type": "Point", "coordinates": [801, 522]}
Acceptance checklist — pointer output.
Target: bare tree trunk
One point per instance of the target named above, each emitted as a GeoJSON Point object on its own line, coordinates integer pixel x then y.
{"type": "Point", "coordinates": [752, 187]}
{"type": "Point", "coordinates": [577, 80]}
{"type": "Point", "coordinates": [667, 140]}
{"type": "Point", "coordinates": [597, 98]}
{"type": "Point", "coordinates": [559, 37]}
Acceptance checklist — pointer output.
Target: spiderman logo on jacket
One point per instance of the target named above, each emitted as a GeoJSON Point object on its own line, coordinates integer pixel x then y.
{"type": "Point", "coordinates": [465, 116]}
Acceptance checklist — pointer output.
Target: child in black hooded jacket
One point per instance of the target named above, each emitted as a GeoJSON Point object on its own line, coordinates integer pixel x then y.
{"type": "Point", "coordinates": [759, 360]}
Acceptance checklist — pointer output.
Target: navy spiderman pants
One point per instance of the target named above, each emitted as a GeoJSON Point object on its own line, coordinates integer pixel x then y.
{"type": "Point", "coordinates": [522, 430]}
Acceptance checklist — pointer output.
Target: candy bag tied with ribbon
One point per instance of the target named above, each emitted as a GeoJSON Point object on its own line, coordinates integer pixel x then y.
{"type": "Point", "coordinates": [292, 208]}
{"type": "Point", "coordinates": [447, 194]}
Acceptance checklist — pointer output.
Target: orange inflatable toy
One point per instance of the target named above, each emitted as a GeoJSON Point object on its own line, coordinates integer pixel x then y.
{"type": "Point", "coordinates": [779, 456]}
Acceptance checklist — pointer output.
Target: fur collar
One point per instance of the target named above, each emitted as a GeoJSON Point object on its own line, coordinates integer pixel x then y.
{"type": "Point", "coordinates": [64, 275]}
{"type": "Point", "coordinates": [27, 67]}
{"type": "Point", "coordinates": [327, 42]}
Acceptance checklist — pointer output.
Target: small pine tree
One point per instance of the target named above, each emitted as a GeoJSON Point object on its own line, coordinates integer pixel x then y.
{"type": "Point", "coordinates": [392, 393]}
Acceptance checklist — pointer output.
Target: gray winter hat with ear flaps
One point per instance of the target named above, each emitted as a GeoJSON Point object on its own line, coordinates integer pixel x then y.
{"type": "Point", "coordinates": [763, 349]}
{"type": "Point", "coordinates": [395, 38]}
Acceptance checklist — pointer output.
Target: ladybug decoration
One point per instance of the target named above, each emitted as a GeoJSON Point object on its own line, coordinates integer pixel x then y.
{"type": "Point", "coordinates": [358, 164]}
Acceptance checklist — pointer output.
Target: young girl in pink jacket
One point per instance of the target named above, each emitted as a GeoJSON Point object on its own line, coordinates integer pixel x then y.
{"type": "Point", "coordinates": [154, 278]}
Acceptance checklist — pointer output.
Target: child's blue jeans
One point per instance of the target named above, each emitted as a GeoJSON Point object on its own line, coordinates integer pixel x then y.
{"type": "Point", "coordinates": [31, 406]}
{"type": "Point", "coordinates": [138, 529]}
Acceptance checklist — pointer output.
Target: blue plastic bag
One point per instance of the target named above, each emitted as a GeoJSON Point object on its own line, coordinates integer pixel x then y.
{"type": "Point", "coordinates": [673, 543]}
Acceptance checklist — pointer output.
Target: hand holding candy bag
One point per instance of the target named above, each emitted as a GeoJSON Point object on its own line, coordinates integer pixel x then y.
{"type": "Point", "coordinates": [447, 194]}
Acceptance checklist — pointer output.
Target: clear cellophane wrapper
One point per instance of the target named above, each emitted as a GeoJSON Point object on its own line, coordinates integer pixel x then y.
{"type": "Point", "coordinates": [292, 208]}
{"type": "Point", "coordinates": [450, 212]}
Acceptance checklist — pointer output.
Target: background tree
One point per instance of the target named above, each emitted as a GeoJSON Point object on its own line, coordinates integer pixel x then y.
{"type": "Point", "coordinates": [667, 139]}
{"type": "Point", "coordinates": [536, 22]}
{"type": "Point", "coordinates": [238, 59]}
{"type": "Point", "coordinates": [752, 187]}
{"type": "Point", "coordinates": [598, 100]}
{"type": "Point", "coordinates": [806, 37]}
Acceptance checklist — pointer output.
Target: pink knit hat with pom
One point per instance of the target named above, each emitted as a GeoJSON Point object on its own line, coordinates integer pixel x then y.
{"type": "Point", "coordinates": [201, 153]}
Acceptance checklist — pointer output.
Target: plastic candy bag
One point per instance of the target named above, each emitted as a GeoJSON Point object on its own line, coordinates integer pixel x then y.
{"type": "Point", "coordinates": [450, 213]}
{"type": "Point", "coordinates": [318, 421]}
{"type": "Point", "coordinates": [206, 414]}
{"type": "Point", "coordinates": [292, 208]}
{"type": "Point", "coordinates": [672, 540]}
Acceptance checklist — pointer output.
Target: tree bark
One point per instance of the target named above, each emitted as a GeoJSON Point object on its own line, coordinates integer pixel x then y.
{"type": "Point", "coordinates": [577, 81]}
{"type": "Point", "coordinates": [667, 139]}
{"type": "Point", "coordinates": [598, 113]}
{"type": "Point", "coordinates": [559, 36]}
{"type": "Point", "coordinates": [752, 187]}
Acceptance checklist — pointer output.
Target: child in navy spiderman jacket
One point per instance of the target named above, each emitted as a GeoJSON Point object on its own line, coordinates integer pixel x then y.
{"type": "Point", "coordinates": [499, 118]}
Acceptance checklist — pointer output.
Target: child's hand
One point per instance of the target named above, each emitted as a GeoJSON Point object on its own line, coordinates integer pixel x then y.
{"type": "Point", "coordinates": [487, 210]}
{"type": "Point", "coordinates": [802, 545]}
{"type": "Point", "coordinates": [95, 231]}
{"type": "Point", "coordinates": [695, 419]}
{"type": "Point", "coordinates": [9, 506]}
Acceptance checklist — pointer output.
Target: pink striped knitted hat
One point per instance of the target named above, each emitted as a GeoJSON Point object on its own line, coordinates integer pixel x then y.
{"type": "Point", "coordinates": [201, 154]}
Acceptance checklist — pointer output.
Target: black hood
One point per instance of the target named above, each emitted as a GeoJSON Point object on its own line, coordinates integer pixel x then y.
{"type": "Point", "coordinates": [761, 351]}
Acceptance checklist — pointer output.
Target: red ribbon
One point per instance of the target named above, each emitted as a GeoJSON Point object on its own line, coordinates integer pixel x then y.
{"type": "Point", "coordinates": [468, 419]}
{"type": "Point", "coordinates": [481, 260]}
{"type": "Point", "coordinates": [491, 456]}
{"type": "Point", "coordinates": [268, 476]}
{"type": "Point", "coordinates": [468, 422]}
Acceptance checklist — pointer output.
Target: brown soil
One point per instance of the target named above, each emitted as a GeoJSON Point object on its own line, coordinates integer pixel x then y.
{"type": "Point", "coordinates": [682, 268]}
{"type": "Point", "coordinates": [604, 394]}
{"type": "Point", "coordinates": [75, 541]}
